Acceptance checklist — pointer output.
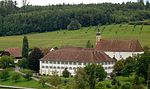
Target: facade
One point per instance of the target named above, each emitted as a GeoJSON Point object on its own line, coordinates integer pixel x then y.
{"type": "Point", "coordinates": [73, 58]}
{"type": "Point", "coordinates": [119, 49]}
{"type": "Point", "coordinates": [15, 52]}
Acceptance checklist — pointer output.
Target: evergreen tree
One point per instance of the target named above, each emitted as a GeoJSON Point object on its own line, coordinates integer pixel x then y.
{"type": "Point", "coordinates": [88, 44]}
{"type": "Point", "coordinates": [25, 48]}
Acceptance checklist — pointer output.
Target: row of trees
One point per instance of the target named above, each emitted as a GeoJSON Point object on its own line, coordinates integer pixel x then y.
{"type": "Point", "coordinates": [27, 19]}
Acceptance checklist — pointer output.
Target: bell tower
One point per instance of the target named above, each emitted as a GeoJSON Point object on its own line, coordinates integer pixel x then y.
{"type": "Point", "coordinates": [98, 37]}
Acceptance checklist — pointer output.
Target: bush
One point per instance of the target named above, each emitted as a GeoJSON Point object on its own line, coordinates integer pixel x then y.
{"type": "Point", "coordinates": [66, 73]}
{"type": "Point", "coordinates": [126, 86]}
{"type": "Point", "coordinates": [114, 82]}
{"type": "Point", "coordinates": [15, 77]}
{"type": "Point", "coordinates": [42, 81]}
{"type": "Point", "coordinates": [108, 86]}
{"type": "Point", "coordinates": [4, 75]}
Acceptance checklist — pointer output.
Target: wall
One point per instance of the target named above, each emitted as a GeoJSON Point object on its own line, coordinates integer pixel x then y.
{"type": "Point", "coordinates": [48, 67]}
{"type": "Point", "coordinates": [122, 55]}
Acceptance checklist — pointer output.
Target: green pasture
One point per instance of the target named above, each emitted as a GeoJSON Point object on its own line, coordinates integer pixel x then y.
{"type": "Point", "coordinates": [79, 38]}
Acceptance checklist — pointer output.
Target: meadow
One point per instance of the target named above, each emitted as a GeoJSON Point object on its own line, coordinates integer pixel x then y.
{"type": "Point", "coordinates": [78, 38]}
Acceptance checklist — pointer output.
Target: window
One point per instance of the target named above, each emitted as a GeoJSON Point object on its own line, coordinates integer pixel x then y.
{"type": "Point", "coordinates": [70, 68]}
{"type": "Point", "coordinates": [62, 67]}
{"type": "Point", "coordinates": [58, 67]}
{"type": "Point", "coordinates": [84, 63]}
{"type": "Point", "coordinates": [42, 61]}
{"type": "Point", "coordinates": [66, 62]}
{"type": "Point", "coordinates": [70, 63]}
{"type": "Point", "coordinates": [42, 66]}
{"type": "Point", "coordinates": [79, 63]}
{"type": "Point", "coordinates": [46, 67]}
{"type": "Point", "coordinates": [62, 62]}
{"type": "Point", "coordinates": [74, 63]}
{"type": "Point", "coordinates": [58, 62]}
{"type": "Point", "coordinates": [54, 67]}
{"type": "Point", "coordinates": [50, 67]}
{"type": "Point", "coordinates": [54, 62]}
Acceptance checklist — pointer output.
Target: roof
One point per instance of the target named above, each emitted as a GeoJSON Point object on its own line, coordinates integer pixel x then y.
{"type": "Point", "coordinates": [77, 55]}
{"type": "Point", "coordinates": [119, 45]}
{"type": "Point", "coordinates": [15, 52]}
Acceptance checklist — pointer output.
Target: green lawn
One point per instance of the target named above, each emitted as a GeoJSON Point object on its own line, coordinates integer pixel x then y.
{"type": "Point", "coordinates": [79, 37]}
{"type": "Point", "coordinates": [23, 83]}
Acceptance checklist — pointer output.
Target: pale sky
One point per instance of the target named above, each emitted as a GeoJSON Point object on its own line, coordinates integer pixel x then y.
{"type": "Point", "coordinates": [47, 2]}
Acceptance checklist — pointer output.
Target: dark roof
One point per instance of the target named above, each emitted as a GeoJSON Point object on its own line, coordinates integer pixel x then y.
{"type": "Point", "coordinates": [77, 54]}
{"type": "Point", "coordinates": [15, 52]}
{"type": "Point", "coordinates": [119, 45]}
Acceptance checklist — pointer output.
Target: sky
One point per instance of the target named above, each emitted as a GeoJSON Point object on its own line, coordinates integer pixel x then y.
{"type": "Point", "coordinates": [47, 2]}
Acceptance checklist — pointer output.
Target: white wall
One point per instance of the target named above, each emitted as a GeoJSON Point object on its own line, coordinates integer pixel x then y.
{"type": "Point", "coordinates": [122, 55]}
{"type": "Point", "coordinates": [45, 68]}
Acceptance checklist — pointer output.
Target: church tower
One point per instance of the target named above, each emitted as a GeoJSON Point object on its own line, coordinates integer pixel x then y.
{"type": "Point", "coordinates": [98, 37]}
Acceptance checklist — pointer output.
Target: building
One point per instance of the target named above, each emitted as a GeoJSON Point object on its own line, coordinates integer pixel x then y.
{"type": "Point", "coordinates": [72, 58]}
{"type": "Point", "coordinates": [119, 49]}
{"type": "Point", "coordinates": [15, 52]}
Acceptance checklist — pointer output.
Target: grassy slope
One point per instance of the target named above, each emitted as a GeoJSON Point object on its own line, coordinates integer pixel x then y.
{"type": "Point", "coordinates": [79, 37]}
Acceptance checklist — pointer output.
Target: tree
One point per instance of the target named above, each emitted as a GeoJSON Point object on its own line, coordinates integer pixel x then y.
{"type": "Point", "coordinates": [126, 86]}
{"type": "Point", "coordinates": [25, 49]}
{"type": "Point", "coordinates": [66, 73]}
{"type": "Point", "coordinates": [15, 77]}
{"type": "Point", "coordinates": [74, 25]}
{"type": "Point", "coordinates": [142, 64]}
{"type": "Point", "coordinates": [95, 72]}
{"type": "Point", "coordinates": [128, 69]}
{"type": "Point", "coordinates": [118, 67]}
{"type": "Point", "coordinates": [34, 57]}
{"type": "Point", "coordinates": [23, 63]}
{"type": "Point", "coordinates": [4, 75]}
{"type": "Point", "coordinates": [88, 44]}
{"type": "Point", "coordinates": [81, 79]}
{"type": "Point", "coordinates": [55, 80]}
{"type": "Point", "coordinates": [42, 81]}
{"type": "Point", "coordinates": [148, 80]}
{"type": "Point", "coordinates": [6, 61]}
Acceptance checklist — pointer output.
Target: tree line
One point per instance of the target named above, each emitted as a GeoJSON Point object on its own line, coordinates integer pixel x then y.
{"type": "Point", "coordinates": [28, 18]}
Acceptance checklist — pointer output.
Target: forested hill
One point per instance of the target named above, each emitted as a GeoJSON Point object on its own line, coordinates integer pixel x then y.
{"type": "Point", "coordinates": [27, 19]}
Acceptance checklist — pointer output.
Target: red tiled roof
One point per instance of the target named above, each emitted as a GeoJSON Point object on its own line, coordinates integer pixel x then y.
{"type": "Point", "coordinates": [119, 45]}
{"type": "Point", "coordinates": [77, 54]}
{"type": "Point", "coordinates": [16, 52]}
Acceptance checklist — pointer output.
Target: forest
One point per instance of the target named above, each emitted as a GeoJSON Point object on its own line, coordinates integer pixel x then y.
{"type": "Point", "coordinates": [30, 19]}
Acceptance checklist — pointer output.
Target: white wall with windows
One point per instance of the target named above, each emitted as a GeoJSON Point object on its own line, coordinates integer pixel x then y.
{"type": "Point", "coordinates": [122, 55]}
{"type": "Point", "coordinates": [47, 67]}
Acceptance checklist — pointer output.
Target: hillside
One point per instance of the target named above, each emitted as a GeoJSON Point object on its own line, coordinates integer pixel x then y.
{"type": "Point", "coordinates": [80, 37]}
{"type": "Point", "coordinates": [28, 19]}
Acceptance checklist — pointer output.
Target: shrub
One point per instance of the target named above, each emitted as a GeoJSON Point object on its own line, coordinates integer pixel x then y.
{"type": "Point", "coordinates": [4, 75]}
{"type": "Point", "coordinates": [126, 86]}
{"type": "Point", "coordinates": [15, 77]}
{"type": "Point", "coordinates": [66, 73]}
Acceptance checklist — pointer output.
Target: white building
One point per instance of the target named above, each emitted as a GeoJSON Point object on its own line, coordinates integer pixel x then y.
{"type": "Point", "coordinates": [119, 49]}
{"type": "Point", "coordinates": [72, 58]}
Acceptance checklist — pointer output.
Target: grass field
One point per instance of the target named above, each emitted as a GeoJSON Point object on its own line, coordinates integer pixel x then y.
{"type": "Point", "coordinates": [79, 37]}
{"type": "Point", "coordinates": [23, 83]}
